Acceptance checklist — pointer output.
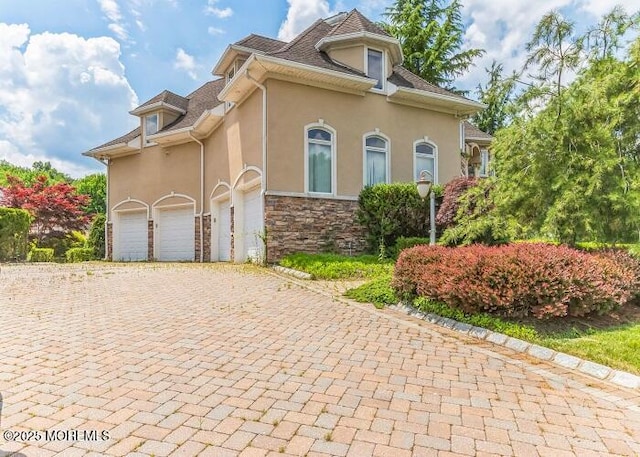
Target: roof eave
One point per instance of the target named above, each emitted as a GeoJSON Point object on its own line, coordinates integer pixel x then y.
{"type": "Point", "coordinates": [113, 151]}
{"type": "Point", "coordinates": [141, 110]}
{"type": "Point", "coordinates": [229, 55]}
{"type": "Point", "coordinates": [438, 102]}
{"type": "Point", "coordinates": [263, 65]}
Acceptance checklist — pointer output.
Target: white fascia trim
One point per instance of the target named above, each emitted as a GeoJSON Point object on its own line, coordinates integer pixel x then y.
{"type": "Point", "coordinates": [434, 96]}
{"type": "Point", "coordinates": [169, 133]}
{"type": "Point", "coordinates": [279, 193]}
{"type": "Point", "coordinates": [96, 153]}
{"type": "Point", "coordinates": [154, 106]}
{"type": "Point", "coordinates": [222, 64]}
{"type": "Point", "coordinates": [314, 69]}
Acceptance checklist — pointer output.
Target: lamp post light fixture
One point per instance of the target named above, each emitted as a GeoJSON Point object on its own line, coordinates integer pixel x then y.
{"type": "Point", "coordinates": [424, 185]}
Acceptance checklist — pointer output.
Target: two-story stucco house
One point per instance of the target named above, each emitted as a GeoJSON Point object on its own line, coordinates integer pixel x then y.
{"type": "Point", "coordinates": [271, 156]}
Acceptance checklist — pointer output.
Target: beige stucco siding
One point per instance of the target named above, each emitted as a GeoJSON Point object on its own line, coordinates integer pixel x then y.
{"type": "Point", "coordinates": [235, 143]}
{"type": "Point", "coordinates": [155, 173]}
{"type": "Point", "coordinates": [352, 56]}
{"type": "Point", "coordinates": [293, 106]}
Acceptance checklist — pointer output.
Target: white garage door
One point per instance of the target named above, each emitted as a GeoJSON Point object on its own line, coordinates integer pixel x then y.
{"type": "Point", "coordinates": [253, 245]}
{"type": "Point", "coordinates": [176, 234]}
{"type": "Point", "coordinates": [224, 231]}
{"type": "Point", "coordinates": [131, 237]}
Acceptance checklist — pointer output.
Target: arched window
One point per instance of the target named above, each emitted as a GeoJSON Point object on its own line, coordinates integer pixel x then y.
{"type": "Point", "coordinates": [425, 158]}
{"type": "Point", "coordinates": [319, 160]}
{"type": "Point", "coordinates": [376, 159]}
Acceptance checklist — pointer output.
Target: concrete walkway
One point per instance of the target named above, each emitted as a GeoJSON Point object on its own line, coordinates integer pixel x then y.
{"type": "Point", "coordinates": [223, 360]}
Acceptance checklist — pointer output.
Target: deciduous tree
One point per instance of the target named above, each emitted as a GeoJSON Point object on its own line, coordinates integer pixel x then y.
{"type": "Point", "coordinates": [56, 209]}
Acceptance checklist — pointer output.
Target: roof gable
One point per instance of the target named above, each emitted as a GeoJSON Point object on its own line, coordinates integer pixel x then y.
{"type": "Point", "coordinates": [355, 22]}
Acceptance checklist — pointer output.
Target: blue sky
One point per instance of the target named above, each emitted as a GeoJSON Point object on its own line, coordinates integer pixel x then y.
{"type": "Point", "coordinates": [71, 70]}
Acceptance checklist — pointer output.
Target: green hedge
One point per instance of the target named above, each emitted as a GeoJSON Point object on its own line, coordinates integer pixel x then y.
{"type": "Point", "coordinates": [40, 255]}
{"type": "Point", "coordinates": [389, 211]}
{"type": "Point", "coordinates": [406, 242]}
{"type": "Point", "coordinates": [14, 232]}
{"type": "Point", "coordinates": [79, 255]}
{"type": "Point", "coordinates": [96, 236]}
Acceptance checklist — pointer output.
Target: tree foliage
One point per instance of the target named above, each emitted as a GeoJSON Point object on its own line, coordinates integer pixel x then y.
{"type": "Point", "coordinates": [431, 33]}
{"type": "Point", "coordinates": [95, 186]}
{"type": "Point", "coordinates": [56, 208]}
{"type": "Point", "coordinates": [14, 232]}
{"type": "Point", "coordinates": [497, 94]}
{"type": "Point", "coordinates": [569, 168]}
{"type": "Point", "coordinates": [29, 175]}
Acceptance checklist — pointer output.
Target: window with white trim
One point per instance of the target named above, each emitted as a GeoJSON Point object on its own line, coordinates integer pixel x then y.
{"type": "Point", "coordinates": [425, 158]}
{"type": "Point", "coordinates": [376, 149]}
{"type": "Point", "coordinates": [484, 163]}
{"type": "Point", "coordinates": [375, 67]}
{"type": "Point", "coordinates": [151, 125]}
{"type": "Point", "coordinates": [320, 148]}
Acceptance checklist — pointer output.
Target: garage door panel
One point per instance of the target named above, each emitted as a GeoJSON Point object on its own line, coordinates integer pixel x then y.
{"type": "Point", "coordinates": [252, 232]}
{"type": "Point", "coordinates": [224, 231]}
{"type": "Point", "coordinates": [132, 236]}
{"type": "Point", "coordinates": [176, 234]}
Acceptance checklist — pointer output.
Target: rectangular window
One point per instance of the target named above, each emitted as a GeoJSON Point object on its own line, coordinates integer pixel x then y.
{"type": "Point", "coordinates": [150, 124]}
{"type": "Point", "coordinates": [484, 162]}
{"type": "Point", "coordinates": [375, 66]}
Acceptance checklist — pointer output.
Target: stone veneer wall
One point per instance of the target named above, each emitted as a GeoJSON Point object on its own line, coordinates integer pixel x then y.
{"type": "Point", "coordinates": [302, 224]}
{"type": "Point", "coordinates": [109, 241]}
{"type": "Point", "coordinates": [207, 237]}
{"type": "Point", "coordinates": [150, 240]}
{"type": "Point", "coordinates": [197, 240]}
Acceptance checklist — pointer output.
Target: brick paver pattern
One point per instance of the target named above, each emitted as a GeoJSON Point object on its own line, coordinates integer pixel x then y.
{"type": "Point", "coordinates": [224, 360]}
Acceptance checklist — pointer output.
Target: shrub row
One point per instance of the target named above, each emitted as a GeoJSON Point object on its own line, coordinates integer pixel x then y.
{"type": "Point", "coordinates": [40, 255]}
{"type": "Point", "coordinates": [79, 255]}
{"type": "Point", "coordinates": [519, 279]}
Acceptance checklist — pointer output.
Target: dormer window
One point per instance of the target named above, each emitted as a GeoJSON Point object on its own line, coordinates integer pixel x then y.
{"type": "Point", "coordinates": [151, 124]}
{"type": "Point", "coordinates": [375, 67]}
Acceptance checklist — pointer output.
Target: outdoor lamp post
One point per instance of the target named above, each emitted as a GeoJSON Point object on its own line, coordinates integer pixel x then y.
{"type": "Point", "coordinates": [424, 188]}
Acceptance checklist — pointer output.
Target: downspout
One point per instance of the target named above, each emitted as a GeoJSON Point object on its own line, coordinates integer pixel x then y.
{"type": "Point", "coordinates": [201, 194]}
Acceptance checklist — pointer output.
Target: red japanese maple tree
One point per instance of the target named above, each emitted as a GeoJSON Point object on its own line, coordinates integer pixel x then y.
{"type": "Point", "coordinates": [56, 208]}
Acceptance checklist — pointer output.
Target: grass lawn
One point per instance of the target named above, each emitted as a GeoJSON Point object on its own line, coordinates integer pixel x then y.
{"type": "Point", "coordinates": [612, 340]}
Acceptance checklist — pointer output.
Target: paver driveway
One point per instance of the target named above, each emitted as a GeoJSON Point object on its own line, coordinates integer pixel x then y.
{"type": "Point", "coordinates": [224, 360]}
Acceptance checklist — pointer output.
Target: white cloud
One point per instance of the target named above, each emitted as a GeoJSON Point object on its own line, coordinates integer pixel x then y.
{"type": "Point", "coordinates": [60, 94]}
{"type": "Point", "coordinates": [213, 9]}
{"type": "Point", "coordinates": [601, 7]}
{"type": "Point", "coordinates": [301, 14]}
{"type": "Point", "coordinates": [111, 10]}
{"type": "Point", "coordinates": [215, 31]}
{"type": "Point", "coordinates": [186, 62]}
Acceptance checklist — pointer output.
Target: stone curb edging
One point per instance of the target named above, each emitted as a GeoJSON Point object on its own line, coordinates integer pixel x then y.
{"type": "Point", "coordinates": [290, 271]}
{"type": "Point", "coordinates": [596, 370]}
{"type": "Point", "coordinates": [602, 372]}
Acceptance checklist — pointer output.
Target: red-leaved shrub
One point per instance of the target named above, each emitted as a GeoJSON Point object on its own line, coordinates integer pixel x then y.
{"type": "Point", "coordinates": [453, 190]}
{"type": "Point", "coordinates": [517, 280]}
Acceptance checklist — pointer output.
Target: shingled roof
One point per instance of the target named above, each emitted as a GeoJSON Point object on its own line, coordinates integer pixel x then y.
{"type": "Point", "coordinates": [261, 43]}
{"type": "Point", "coordinates": [471, 132]}
{"type": "Point", "coordinates": [355, 22]}
{"type": "Point", "coordinates": [302, 49]}
{"type": "Point", "coordinates": [132, 135]}
{"type": "Point", "coordinates": [167, 97]}
{"type": "Point", "coordinates": [202, 99]}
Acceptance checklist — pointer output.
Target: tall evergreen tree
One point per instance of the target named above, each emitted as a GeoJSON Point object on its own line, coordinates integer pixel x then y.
{"type": "Point", "coordinates": [497, 94]}
{"type": "Point", "coordinates": [431, 33]}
